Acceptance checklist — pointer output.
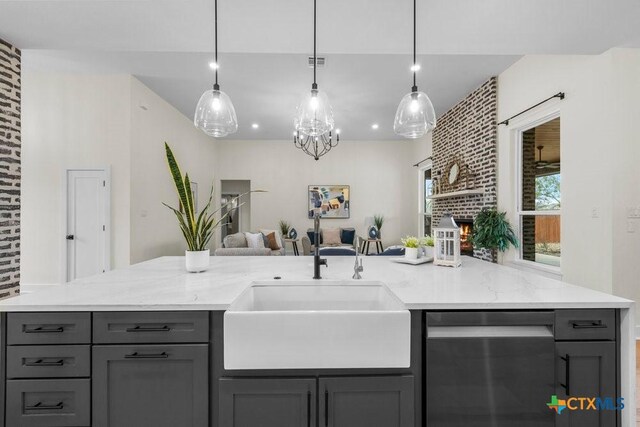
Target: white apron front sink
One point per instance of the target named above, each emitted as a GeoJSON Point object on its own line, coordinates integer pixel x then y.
{"type": "Point", "coordinates": [312, 325]}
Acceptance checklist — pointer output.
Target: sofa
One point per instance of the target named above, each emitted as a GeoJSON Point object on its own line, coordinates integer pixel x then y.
{"type": "Point", "coordinates": [237, 245]}
{"type": "Point", "coordinates": [348, 239]}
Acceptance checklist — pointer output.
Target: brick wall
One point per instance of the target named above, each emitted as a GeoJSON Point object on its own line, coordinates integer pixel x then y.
{"type": "Point", "coordinates": [9, 170]}
{"type": "Point", "coordinates": [468, 132]}
{"type": "Point", "coordinates": [528, 227]}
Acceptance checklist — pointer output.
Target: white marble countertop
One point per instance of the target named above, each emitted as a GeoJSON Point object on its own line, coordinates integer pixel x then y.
{"type": "Point", "coordinates": [163, 284]}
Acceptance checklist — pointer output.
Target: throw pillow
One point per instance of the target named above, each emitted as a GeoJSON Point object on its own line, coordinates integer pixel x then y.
{"type": "Point", "coordinates": [347, 236]}
{"type": "Point", "coordinates": [236, 240]}
{"type": "Point", "coordinates": [311, 236]}
{"type": "Point", "coordinates": [271, 242]}
{"type": "Point", "coordinates": [277, 235]}
{"type": "Point", "coordinates": [331, 236]}
{"type": "Point", "coordinates": [254, 240]}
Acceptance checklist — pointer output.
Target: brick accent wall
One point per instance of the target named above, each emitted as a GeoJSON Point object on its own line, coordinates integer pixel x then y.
{"type": "Point", "coordinates": [9, 170]}
{"type": "Point", "coordinates": [468, 132]}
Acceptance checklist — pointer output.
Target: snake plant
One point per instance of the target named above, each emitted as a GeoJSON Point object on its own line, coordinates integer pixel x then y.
{"type": "Point", "coordinates": [197, 229]}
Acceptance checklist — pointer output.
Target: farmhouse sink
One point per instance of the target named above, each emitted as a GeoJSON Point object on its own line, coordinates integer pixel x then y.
{"type": "Point", "coordinates": [311, 325]}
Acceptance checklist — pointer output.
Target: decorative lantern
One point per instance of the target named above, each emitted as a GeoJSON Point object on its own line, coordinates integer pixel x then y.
{"type": "Point", "coordinates": [446, 242]}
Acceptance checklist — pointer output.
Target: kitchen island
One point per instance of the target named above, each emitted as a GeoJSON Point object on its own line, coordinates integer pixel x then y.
{"type": "Point", "coordinates": [89, 340]}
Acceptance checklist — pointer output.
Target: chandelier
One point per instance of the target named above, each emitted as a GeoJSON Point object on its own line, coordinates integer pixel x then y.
{"type": "Point", "coordinates": [315, 146]}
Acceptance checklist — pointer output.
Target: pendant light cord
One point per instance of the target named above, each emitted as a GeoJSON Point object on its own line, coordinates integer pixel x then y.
{"type": "Point", "coordinates": [215, 33]}
{"type": "Point", "coordinates": [315, 60]}
{"type": "Point", "coordinates": [415, 88]}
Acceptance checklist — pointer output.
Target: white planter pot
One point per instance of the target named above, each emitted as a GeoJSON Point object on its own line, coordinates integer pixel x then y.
{"type": "Point", "coordinates": [196, 261]}
{"type": "Point", "coordinates": [428, 251]}
{"type": "Point", "coordinates": [411, 253]}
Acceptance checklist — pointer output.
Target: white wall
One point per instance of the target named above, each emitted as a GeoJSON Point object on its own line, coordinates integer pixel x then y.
{"type": "Point", "coordinates": [599, 152]}
{"type": "Point", "coordinates": [70, 121]}
{"type": "Point", "coordinates": [91, 121]}
{"type": "Point", "coordinates": [380, 174]}
{"type": "Point", "coordinates": [154, 228]}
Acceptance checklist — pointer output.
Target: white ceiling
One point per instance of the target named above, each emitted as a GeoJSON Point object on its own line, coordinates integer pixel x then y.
{"type": "Point", "coordinates": [167, 45]}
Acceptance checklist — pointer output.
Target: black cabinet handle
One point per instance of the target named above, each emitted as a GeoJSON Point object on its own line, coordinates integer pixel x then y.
{"type": "Point", "coordinates": [567, 374]}
{"type": "Point", "coordinates": [139, 328]}
{"type": "Point", "coordinates": [326, 408]}
{"type": "Point", "coordinates": [43, 330]}
{"type": "Point", "coordinates": [588, 324]}
{"type": "Point", "coordinates": [41, 362]}
{"type": "Point", "coordinates": [308, 408]}
{"type": "Point", "coordinates": [41, 406]}
{"type": "Point", "coordinates": [70, 237]}
{"type": "Point", "coordinates": [136, 355]}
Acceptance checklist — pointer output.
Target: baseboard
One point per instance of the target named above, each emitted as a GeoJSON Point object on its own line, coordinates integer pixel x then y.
{"type": "Point", "coordinates": [637, 332]}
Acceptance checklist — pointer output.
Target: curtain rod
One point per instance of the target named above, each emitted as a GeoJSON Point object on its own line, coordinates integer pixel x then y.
{"type": "Point", "coordinates": [422, 161]}
{"type": "Point", "coordinates": [557, 95]}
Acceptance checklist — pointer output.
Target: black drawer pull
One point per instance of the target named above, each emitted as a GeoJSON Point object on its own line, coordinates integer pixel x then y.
{"type": "Point", "coordinates": [588, 324]}
{"type": "Point", "coordinates": [136, 355]}
{"type": "Point", "coordinates": [149, 329]}
{"type": "Point", "coordinates": [41, 406]}
{"type": "Point", "coordinates": [567, 373]}
{"type": "Point", "coordinates": [43, 330]}
{"type": "Point", "coordinates": [41, 362]}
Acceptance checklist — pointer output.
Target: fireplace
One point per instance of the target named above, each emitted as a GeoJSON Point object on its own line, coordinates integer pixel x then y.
{"type": "Point", "coordinates": [466, 227]}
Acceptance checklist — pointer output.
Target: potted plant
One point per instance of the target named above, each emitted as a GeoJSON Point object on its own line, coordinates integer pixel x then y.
{"type": "Point", "coordinates": [427, 246]}
{"type": "Point", "coordinates": [378, 220]}
{"type": "Point", "coordinates": [284, 228]}
{"type": "Point", "coordinates": [411, 245]}
{"type": "Point", "coordinates": [492, 230]}
{"type": "Point", "coordinates": [197, 229]}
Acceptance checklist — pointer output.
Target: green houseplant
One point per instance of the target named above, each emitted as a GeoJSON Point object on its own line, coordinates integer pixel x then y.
{"type": "Point", "coordinates": [411, 245]}
{"type": "Point", "coordinates": [197, 228]}
{"type": "Point", "coordinates": [284, 228]}
{"type": "Point", "coordinates": [378, 221]}
{"type": "Point", "coordinates": [492, 230]}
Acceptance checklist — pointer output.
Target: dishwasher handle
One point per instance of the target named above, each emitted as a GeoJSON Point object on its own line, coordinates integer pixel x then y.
{"type": "Point", "coordinates": [435, 332]}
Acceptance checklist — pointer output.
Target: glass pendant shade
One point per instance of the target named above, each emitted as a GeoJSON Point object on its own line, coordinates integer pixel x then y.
{"type": "Point", "coordinates": [415, 116]}
{"type": "Point", "coordinates": [215, 114]}
{"type": "Point", "coordinates": [314, 116]}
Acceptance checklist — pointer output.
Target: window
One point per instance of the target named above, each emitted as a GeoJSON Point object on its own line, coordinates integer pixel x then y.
{"type": "Point", "coordinates": [426, 191]}
{"type": "Point", "coordinates": [540, 198]}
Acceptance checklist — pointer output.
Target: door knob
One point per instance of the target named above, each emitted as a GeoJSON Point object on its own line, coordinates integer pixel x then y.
{"type": "Point", "coordinates": [70, 237]}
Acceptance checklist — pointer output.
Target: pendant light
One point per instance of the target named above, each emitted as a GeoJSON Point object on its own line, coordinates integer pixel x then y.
{"type": "Point", "coordinates": [314, 114]}
{"type": "Point", "coordinates": [215, 114]}
{"type": "Point", "coordinates": [415, 115]}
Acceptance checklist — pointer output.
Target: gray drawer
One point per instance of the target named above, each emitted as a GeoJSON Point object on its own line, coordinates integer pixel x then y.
{"type": "Point", "coordinates": [586, 325]}
{"type": "Point", "coordinates": [151, 327]}
{"type": "Point", "coordinates": [48, 403]}
{"type": "Point", "coordinates": [48, 328]}
{"type": "Point", "coordinates": [48, 361]}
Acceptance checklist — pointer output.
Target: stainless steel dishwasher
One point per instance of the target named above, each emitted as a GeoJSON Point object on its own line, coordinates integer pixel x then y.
{"type": "Point", "coordinates": [489, 369]}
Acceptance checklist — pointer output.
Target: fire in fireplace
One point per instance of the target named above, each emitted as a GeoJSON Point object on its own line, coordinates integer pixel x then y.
{"type": "Point", "coordinates": [466, 227]}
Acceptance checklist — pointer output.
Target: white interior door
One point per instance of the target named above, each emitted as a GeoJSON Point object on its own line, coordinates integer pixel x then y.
{"type": "Point", "coordinates": [87, 219]}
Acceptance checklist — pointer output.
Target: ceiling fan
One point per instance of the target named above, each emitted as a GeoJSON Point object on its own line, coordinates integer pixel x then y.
{"type": "Point", "coordinates": [543, 164]}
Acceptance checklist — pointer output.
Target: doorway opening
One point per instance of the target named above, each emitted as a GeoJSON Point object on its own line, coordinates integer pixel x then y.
{"type": "Point", "coordinates": [237, 211]}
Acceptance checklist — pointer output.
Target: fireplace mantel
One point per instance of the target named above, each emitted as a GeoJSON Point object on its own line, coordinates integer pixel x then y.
{"type": "Point", "coordinates": [474, 191]}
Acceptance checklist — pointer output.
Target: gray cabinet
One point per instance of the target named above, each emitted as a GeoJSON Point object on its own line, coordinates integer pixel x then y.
{"type": "Point", "coordinates": [150, 385]}
{"type": "Point", "coordinates": [385, 401]}
{"type": "Point", "coordinates": [586, 369]}
{"type": "Point", "coordinates": [374, 401]}
{"type": "Point", "coordinates": [267, 402]}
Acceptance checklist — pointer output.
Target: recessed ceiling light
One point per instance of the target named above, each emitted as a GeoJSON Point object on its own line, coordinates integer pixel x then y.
{"type": "Point", "coordinates": [374, 126]}
{"type": "Point", "coordinates": [415, 67]}
{"type": "Point", "coordinates": [255, 125]}
{"type": "Point", "coordinates": [337, 131]}
{"type": "Point", "coordinates": [213, 65]}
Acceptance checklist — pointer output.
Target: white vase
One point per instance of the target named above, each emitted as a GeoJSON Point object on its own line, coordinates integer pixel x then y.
{"type": "Point", "coordinates": [428, 251]}
{"type": "Point", "coordinates": [196, 261]}
{"type": "Point", "coordinates": [411, 253]}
